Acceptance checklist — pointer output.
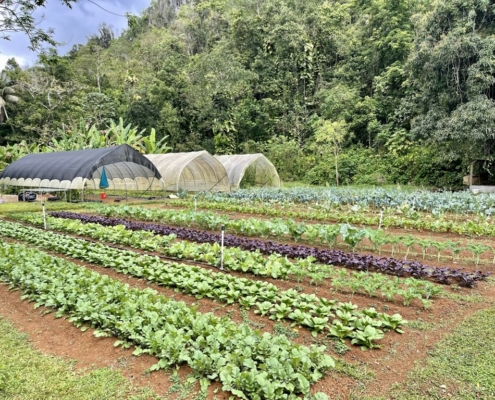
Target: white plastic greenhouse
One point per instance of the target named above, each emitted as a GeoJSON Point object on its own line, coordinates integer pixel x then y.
{"type": "Point", "coordinates": [254, 169]}
{"type": "Point", "coordinates": [194, 171]}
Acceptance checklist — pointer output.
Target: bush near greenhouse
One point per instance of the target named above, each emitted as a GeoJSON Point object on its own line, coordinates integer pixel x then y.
{"type": "Point", "coordinates": [358, 165]}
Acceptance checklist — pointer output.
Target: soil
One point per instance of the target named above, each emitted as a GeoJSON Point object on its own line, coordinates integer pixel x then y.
{"type": "Point", "coordinates": [388, 365]}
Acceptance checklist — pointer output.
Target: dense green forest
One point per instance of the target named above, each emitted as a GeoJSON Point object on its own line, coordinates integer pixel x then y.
{"type": "Point", "coordinates": [390, 91]}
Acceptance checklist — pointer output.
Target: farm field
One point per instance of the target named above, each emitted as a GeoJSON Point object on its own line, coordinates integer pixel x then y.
{"type": "Point", "coordinates": [303, 308]}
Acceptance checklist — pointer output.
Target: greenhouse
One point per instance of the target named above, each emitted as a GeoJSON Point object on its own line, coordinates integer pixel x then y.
{"type": "Point", "coordinates": [117, 168]}
{"type": "Point", "coordinates": [194, 171]}
{"type": "Point", "coordinates": [250, 170]}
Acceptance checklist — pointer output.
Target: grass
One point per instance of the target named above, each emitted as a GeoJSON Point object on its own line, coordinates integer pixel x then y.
{"type": "Point", "coordinates": [461, 367]}
{"type": "Point", "coordinates": [420, 325]}
{"type": "Point", "coordinates": [27, 374]}
{"type": "Point", "coordinates": [184, 390]}
{"type": "Point", "coordinates": [35, 206]}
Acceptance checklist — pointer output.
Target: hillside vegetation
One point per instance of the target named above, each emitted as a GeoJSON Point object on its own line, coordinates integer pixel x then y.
{"type": "Point", "coordinates": [382, 91]}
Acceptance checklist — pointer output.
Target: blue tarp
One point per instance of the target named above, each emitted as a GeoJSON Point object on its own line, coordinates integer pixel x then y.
{"type": "Point", "coordinates": [103, 179]}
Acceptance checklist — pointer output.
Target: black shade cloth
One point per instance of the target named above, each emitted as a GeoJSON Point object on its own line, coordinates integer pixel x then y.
{"type": "Point", "coordinates": [68, 165]}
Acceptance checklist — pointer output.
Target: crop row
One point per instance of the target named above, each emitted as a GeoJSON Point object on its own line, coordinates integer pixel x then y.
{"type": "Point", "coordinates": [361, 262]}
{"type": "Point", "coordinates": [303, 309]}
{"type": "Point", "coordinates": [424, 200]}
{"type": "Point", "coordinates": [275, 265]}
{"type": "Point", "coordinates": [312, 233]}
{"type": "Point", "coordinates": [249, 364]}
{"type": "Point", "coordinates": [235, 259]}
{"type": "Point", "coordinates": [475, 226]}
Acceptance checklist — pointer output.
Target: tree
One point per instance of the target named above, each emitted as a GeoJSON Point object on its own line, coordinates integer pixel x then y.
{"type": "Point", "coordinates": [451, 77]}
{"type": "Point", "coordinates": [17, 16]}
{"type": "Point", "coordinates": [98, 109]}
{"type": "Point", "coordinates": [91, 65]}
{"type": "Point", "coordinates": [105, 37]}
{"type": "Point", "coordinates": [45, 103]}
{"type": "Point", "coordinates": [332, 135]}
{"type": "Point", "coordinates": [7, 95]}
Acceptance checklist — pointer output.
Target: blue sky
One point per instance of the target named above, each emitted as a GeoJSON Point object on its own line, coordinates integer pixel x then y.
{"type": "Point", "coordinates": [72, 26]}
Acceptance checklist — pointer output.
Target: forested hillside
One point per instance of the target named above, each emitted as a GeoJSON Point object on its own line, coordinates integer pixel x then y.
{"type": "Point", "coordinates": [393, 90]}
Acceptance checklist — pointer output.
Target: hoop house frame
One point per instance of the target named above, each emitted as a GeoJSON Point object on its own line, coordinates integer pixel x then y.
{"type": "Point", "coordinates": [264, 172]}
{"type": "Point", "coordinates": [195, 171]}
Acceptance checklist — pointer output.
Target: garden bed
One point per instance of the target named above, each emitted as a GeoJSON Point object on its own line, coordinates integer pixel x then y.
{"type": "Point", "coordinates": [358, 373]}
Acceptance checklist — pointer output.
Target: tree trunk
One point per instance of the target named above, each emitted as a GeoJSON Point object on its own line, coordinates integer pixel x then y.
{"type": "Point", "coordinates": [336, 170]}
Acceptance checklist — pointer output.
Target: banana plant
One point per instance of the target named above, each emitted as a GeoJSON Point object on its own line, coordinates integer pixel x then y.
{"type": "Point", "coordinates": [120, 134]}
{"type": "Point", "coordinates": [149, 144]}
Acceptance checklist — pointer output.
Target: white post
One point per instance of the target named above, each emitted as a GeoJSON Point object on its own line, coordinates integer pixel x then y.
{"type": "Point", "coordinates": [194, 203]}
{"type": "Point", "coordinates": [221, 248]}
{"type": "Point", "coordinates": [44, 214]}
{"type": "Point", "coordinates": [381, 218]}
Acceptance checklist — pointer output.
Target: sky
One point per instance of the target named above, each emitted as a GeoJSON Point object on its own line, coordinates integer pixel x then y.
{"type": "Point", "coordinates": [72, 26]}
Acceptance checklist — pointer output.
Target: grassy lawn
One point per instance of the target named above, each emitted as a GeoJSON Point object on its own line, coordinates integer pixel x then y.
{"type": "Point", "coordinates": [36, 206]}
{"type": "Point", "coordinates": [462, 366]}
{"type": "Point", "coordinates": [27, 374]}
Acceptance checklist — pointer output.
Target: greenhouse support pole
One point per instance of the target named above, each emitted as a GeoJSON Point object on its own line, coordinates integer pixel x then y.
{"type": "Point", "coordinates": [44, 214]}
{"type": "Point", "coordinates": [221, 247]}
{"type": "Point", "coordinates": [82, 190]}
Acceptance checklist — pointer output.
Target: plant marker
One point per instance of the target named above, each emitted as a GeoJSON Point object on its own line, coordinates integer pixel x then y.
{"type": "Point", "coordinates": [221, 248]}
{"type": "Point", "coordinates": [381, 218]}
{"type": "Point", "coordinates": [194, 203]}
{"type": "Point", "coordinates": [44, 214]}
